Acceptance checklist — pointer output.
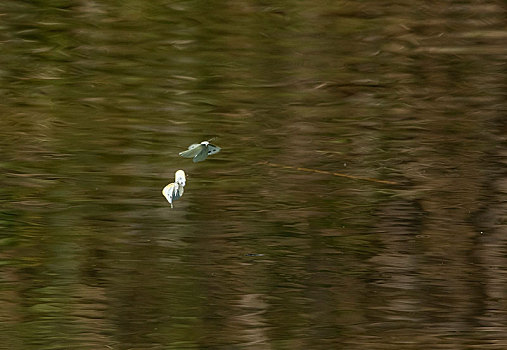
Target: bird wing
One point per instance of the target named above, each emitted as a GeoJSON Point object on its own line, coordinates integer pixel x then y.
{"type": "Point", "coordinates": [192, 151]}
{"type": "Point", "coordinates": [202, 155]}
{"type": "Point", "coordinates": [212, 149]}
{"type": "Point", "coordinates": [179, 193]}
{"type": "Point", "coordinates": [168, 193]}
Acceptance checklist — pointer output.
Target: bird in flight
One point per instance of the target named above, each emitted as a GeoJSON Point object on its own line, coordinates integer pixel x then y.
{"type": "Point", "coordinates": [200, 151]}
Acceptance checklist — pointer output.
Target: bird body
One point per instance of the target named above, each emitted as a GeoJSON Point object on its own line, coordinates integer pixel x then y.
{"type": "Point", "coordinates": [175, 189]}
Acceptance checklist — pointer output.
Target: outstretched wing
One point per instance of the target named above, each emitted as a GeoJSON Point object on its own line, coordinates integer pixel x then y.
{"type": "Point", "coordinates": [192, 151]}
{"type": "Point", "coordinates": [212, 149]}
{"type": "Point", "coordinates": [202, 155]}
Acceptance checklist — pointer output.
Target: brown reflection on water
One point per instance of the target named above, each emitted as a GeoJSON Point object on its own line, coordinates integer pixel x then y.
{"type": "Point", "coordinates": [98, 98]}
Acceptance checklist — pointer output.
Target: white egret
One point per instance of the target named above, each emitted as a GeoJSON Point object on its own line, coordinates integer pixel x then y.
{"type": "Point", "coordinates": [175, 189]}
{"type": "Point", "coordinates": [200, 151]}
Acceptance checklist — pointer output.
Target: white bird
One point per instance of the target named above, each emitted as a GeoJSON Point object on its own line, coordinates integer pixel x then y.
{"type": "Point", "coordinates": [200, 151]}
{"type": "Point", "coordinates": [175, 189]}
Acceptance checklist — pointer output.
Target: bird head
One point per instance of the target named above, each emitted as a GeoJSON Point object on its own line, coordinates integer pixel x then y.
{"type": "Point", "coordinates": [180, 178]}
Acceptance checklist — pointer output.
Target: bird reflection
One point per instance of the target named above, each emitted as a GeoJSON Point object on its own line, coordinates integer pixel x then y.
{"type": "Point", "coordinates": [175, 189]}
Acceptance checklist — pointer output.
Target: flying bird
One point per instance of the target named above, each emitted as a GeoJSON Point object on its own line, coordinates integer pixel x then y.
{"type": "Point", "coordinates": [200, 151]}
{"type": "Point", "coordinates": [175, 189]}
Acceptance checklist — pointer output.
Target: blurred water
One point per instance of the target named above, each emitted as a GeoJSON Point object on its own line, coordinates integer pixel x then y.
{"type": "Point", "coordinates": [98, 97]}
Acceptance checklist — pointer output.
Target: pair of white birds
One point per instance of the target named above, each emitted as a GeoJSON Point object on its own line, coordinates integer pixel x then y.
{"type": "Point", "coordinates": [197, 151]}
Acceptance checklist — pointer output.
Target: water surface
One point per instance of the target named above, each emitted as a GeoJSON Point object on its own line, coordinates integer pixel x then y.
{"type": "Point", "coordinates": [98, 97]}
